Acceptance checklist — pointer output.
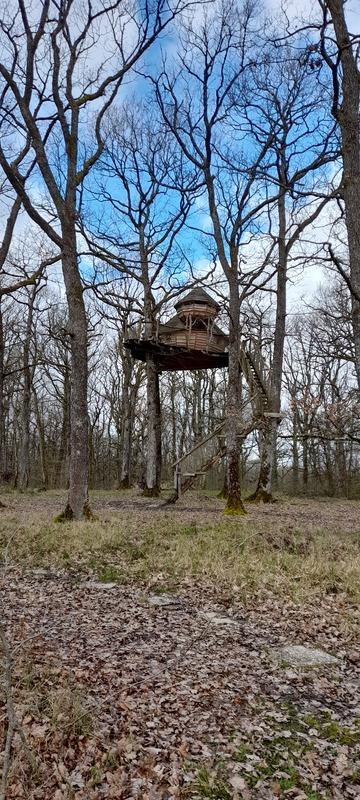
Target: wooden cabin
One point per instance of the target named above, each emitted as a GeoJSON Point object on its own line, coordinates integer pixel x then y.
{"type": "Point", "coordinates": [190, 339]}
{"type": "Point", "coordinates": [194, 326]}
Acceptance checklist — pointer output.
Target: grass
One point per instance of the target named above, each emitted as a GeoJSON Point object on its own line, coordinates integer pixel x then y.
{"type": "Point", "coordinates": [63, 709]}
{"type": "Point", "coordinates": [332, 731]}
{"type": "Point", "coordinates": [280, 757]}
{"type": "Point", "coordinates": [207, 786]}
{"type": "Point", "coordinates": [296, 549]}
{"type": "Point", "coordinates": [249, 553]}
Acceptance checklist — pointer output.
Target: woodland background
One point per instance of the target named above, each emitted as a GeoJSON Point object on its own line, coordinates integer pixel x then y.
{"type": "Point", "coordinates": [217, 159]}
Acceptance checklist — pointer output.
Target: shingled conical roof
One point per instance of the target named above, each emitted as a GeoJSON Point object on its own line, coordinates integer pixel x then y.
{"type": "Point", "coordinates": [197, 295]}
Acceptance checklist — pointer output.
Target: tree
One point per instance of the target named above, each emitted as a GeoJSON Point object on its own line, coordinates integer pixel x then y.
{"type": "Point", "coordinates": [28, 363]}
{"type": "Point", "coordinates": [124, 375]}
{"type": "Point", "coordinates": [288, 100]}
{"type": "Point", "coordinates": [342, 59]}
{"type": "Point", "coordinates": [53, 105]}
{"type": "Point", "coordinates": [15, 275]}
{"type": "Point", "coordinates": [203, 104]}
{"type": "Point", "coordinates": [8, 285]}
{"type": "Point", "coordinates": [323, 411]}
{"type": "Point", "coordinates": [143, 180]}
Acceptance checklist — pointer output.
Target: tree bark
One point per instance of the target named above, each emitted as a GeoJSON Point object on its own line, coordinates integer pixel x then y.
{"type": "Point", "coordinates": [3, 469]}
{"type": "Point", "coordinates": [263, 492]}
{"type": "Point", "coordinates": [23, 472]}
{"type": "Point", "coordinates": [234, 503]}
{"type": "Point", "coordinates": [78, 501]}
{"type": "Point", "coordinates": [126, 422]}
{"type": "Point", "coordinates": [62, 461]}
{"type": "Point", "coordinates": [348, 117]}
{"type": "Point", "coordinates": [153, 461]}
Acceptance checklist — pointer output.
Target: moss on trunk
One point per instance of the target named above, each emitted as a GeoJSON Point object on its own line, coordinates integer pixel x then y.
{"type": "Point", "coordinates": [234, 509]}
{"type": "Point", "coordinates": [68, 515]}
{"type": "Point", "coordinates": [260, 496]}
{"type": "Point", "coordinates": [153, 491]}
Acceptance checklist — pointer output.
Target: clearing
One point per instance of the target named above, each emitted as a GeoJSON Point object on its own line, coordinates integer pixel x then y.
{"type": "Point", "coordinates": [148, 656]}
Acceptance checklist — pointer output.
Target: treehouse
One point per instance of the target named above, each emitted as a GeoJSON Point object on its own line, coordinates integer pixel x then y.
{"type": "Point", "coordinates": [189, 340]}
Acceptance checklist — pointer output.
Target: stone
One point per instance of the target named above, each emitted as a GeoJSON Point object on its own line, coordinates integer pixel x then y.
{"type": "Point", "coordinates": [218, 619]}
{"type": "Point", "coordinates": [100, 585]}
{"type": "Point", "coordinates": [164, 600]}
{"type": "Point", "coordinates": [297, 655]}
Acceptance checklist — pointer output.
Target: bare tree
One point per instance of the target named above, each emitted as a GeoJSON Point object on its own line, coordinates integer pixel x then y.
{"type": "Point", "coordinates": [14, 276]}
{"type": "Point", "coordinates": [289, 101]}
{"type": "Point", "coordinates": [49, 88]}
{"type": "Point", "coordinates": [124, 376]}
{"type": "Point", "coordinates": [144, 181]}
{"type": "Point", "coordinates": [340, 51]}
{"type": "Point", "coordinates": [27, 376]}
{"type": "Point", "coordinates": [203, 104]}
{"type": "Point", "coordinates": [9, 284]}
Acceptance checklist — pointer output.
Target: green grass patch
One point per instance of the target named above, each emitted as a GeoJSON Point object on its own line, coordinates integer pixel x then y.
{"type": "Point", "coordinates": [281, 755]}
{"type": "Point", "coordinates": [208, 786]}
{"type": "Point", "coordinates": [140, 543]}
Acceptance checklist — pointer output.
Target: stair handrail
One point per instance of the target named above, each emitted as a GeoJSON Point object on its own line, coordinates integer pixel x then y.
{"type": "Point", "coordinates": [212, 434]}
{"type": "Point", "coordinates": [260, 378]}
{"type": "Point", "coordinates": [200, 444]}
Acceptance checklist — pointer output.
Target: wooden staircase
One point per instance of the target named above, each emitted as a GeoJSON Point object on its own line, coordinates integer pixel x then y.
{"type": "Point", "coordinates": [253, 367]}
{"type": "Point", "coordinates": [206, 454]}
{"type": "Point", "coordinates": [210, 450]}
{"type": "Point", "coordinates": [197, 461]}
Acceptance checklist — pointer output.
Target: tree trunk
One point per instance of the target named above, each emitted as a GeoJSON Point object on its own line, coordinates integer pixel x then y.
{"type": "Point", "coordinates": [234, 503]}
{"type": "Point", "coordinates": [126, 422]}
{"type": "Point", "coordinates": [263, 489]}
{"type": "Point", "coordinates": [223, 493]}
{"type": "Point", "coordinates": [329, 468]}
{"type": "Point", "coordinates": [348, 118]}
{"type": "Point", "coordinates": [78, 502]}
{"type": "Point", "coordinates": [42, 443]}
{"type": "Point", "coordinates": [3, 469]}
{"type": "Point", "coordinates": [158, 431]}
{"type": "Point", "coordinates": [263, 492]}
{"type": "Point", "coordinates": [23, 473]}
{"type": "Point", "coordinates": [153, 462]}
{"type": "Point", "coordinates": [91, 455]}
{"type": "Point", "coordinates": [341, 468]}
{"type": "Point", "coordinates": [154, 457]}
{"type": "Point", "coordinates": [305, 456]}
{"type": "Point", "coordinates": [125, 477]}
{"type": "Point", "coordinates": [62, 461]}
{"type": "Point", "coordinates": [173, 387]}
{"type": "Point", "coordinates": [295, 452]}
{"type": "Point", "coordinates": [199, 429]}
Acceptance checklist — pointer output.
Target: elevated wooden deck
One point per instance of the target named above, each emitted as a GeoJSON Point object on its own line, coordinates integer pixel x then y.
{"type": "Point", "coordinates": [173, 358]}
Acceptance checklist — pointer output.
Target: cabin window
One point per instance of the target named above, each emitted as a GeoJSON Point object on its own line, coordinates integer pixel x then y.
{"type": "Point", "coordinates": [200, 324]}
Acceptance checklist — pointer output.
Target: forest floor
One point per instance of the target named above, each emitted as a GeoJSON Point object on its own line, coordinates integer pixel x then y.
{"type": "Point", "coordinates": [146, 649]}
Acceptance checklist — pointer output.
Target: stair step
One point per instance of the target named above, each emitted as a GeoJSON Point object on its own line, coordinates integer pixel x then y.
{"type": "Point", "coordinates": [192, 474]}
